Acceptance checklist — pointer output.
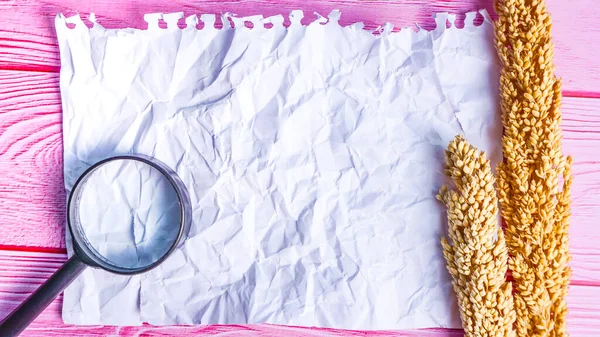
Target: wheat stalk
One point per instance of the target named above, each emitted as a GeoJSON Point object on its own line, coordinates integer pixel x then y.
{"type": "Point", "coordinates": [535, 204]}
{"type": "Point", "coordinates": [476, 254]}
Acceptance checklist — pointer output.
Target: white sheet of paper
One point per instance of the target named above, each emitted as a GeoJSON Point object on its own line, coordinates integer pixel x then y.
{"type": "Point", "coordinates": [312, 155]}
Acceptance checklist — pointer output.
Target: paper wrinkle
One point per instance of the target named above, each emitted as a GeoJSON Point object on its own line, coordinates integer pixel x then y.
{"type": "Point", "coordinates": [312, 155]}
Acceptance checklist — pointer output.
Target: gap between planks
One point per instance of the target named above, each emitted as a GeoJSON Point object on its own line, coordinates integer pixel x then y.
{"type": "Point", "coordinates": [28, 42]}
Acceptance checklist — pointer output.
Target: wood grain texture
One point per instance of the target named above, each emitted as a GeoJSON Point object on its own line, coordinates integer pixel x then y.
{"type": "Point", "coordinates": [581, 132]}
{"type": "Point", "coordinates": [22, 272]}
{"type": "Point", "coordinates": [32, 197]}
{"type": "Point", "coordinates": [27, 36]}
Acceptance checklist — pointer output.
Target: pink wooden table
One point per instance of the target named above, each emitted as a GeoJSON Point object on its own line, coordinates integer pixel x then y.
{"type": "Point", "coordinates": [32, 197]}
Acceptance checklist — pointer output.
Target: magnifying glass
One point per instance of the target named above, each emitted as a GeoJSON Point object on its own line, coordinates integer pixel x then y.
{"type": "Point", "coordinates": [126, 215]}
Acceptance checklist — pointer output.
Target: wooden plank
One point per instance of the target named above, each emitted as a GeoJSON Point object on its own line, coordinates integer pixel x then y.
{"type": "Point", "coordinates": [22, 272]}
{"type": "Point", "coordinates": [27, 37]}
{"type": "Point", "coordinates": [584, 311]}
{"type": "Point", "coordinates": [51, 328]}
{"type": "Point", "coordinates": [30, 44]}
{"type": "Point", "coordinates": [575, 25]}
{"type": "Point", "coordinates": [32, 197]}
{"type": "Point", "coordinates": [581, 132]}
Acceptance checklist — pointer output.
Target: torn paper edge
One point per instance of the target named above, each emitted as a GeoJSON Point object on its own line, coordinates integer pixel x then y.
{"type": "Point", "coordinates": [443, 21]}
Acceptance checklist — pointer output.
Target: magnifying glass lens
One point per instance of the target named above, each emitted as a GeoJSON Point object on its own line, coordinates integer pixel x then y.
{"type": "Point", "coordinates": [128, 213]}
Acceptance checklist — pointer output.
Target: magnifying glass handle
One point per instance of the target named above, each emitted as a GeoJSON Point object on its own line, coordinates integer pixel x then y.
{"type": "Point", "coordinates": [25, 313]}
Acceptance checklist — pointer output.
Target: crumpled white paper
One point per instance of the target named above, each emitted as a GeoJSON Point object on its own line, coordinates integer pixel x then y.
{"type": "Point", "coordinates": [312, 155]}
